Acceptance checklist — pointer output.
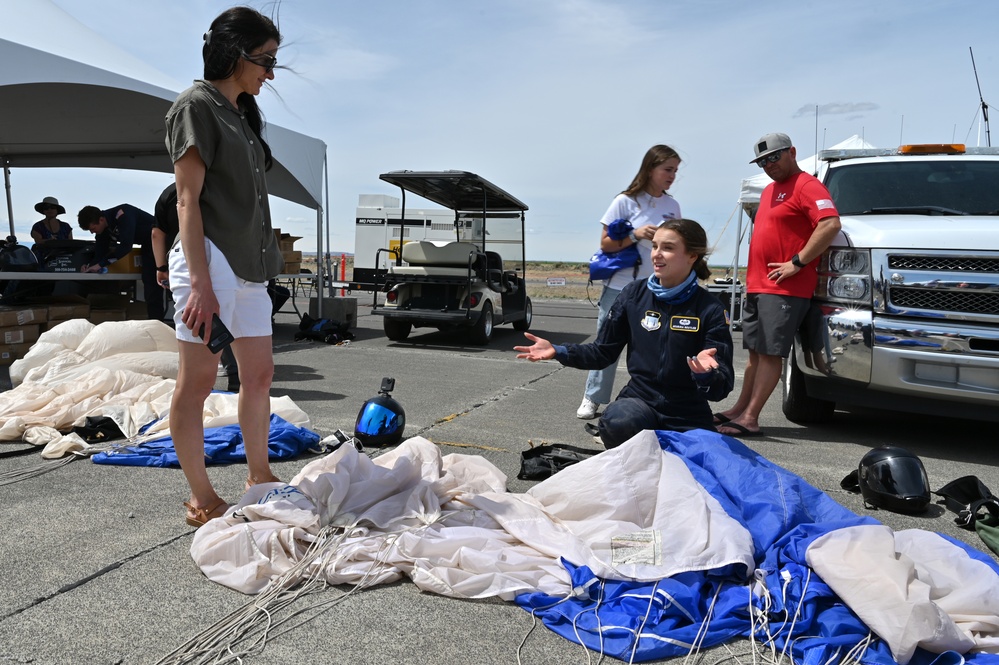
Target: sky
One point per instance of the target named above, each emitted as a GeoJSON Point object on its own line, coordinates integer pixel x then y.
{"type": "Point", "coordinates": [556, 101]}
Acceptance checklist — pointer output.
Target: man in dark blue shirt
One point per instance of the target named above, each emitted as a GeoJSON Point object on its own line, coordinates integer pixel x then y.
{"type": "Point", "coordinates": [117, 230]}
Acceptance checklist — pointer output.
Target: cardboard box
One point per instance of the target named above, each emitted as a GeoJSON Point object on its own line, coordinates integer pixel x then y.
{"type": "Point", "coordinates": [130, 263]}
{"type": "Point", "coordinates": [107, 301]}
{"type": "Point", "coordinates": [19, 316]}
{"type": "Point", "coordinates": [292, 257]}
{"type": "Point", "coordinates": [136, 311]}
{"type": "Point", "coordinates": [292, 268]}
{"type": "Point", "coordinates": [20, 334]}
{"type": "Point", "coordinates": [11, 352]}
{"type": "Point", "coordinates": [62, 308]}
{"type": "Point", "coordinates": [104, 315]}
{"type": "Point", "coordinates": [286, 241]}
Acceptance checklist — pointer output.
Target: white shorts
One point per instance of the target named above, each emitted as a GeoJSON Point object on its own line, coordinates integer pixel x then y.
{"type": "Point", "coordinates": [244, 307]}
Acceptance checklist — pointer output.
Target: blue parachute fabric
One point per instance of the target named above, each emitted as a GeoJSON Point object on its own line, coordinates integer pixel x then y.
{"type": "Point", "coordinates": [223, 445]}
{"type": "Point", "coordinates": [798, 614]}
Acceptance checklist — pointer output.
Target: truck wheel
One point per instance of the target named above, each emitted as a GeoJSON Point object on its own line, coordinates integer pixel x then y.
{"type": "Point", "coordinates": [524, 324]}
{"type": "Point", "coordinates": [397, 330]}
{"type": "Point", "coordinates": [482, 331]}
{"type": "Point", "coordinates": [798, 407]}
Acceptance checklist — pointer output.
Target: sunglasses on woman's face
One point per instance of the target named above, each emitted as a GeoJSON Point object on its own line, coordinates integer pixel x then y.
{"type": "Point", "coordinates": [772, 158]}
{"type": "Point", "coordinates": [268, 62]}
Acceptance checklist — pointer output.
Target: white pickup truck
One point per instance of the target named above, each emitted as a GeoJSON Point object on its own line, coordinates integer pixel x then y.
{"type": "Point", "coordinates": [906, 312]}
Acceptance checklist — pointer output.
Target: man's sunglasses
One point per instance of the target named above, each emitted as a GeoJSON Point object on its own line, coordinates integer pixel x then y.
{"type": "Point", "coordinates": [268, 62]}
{"type": "Point", "coordinates": [772, 158]}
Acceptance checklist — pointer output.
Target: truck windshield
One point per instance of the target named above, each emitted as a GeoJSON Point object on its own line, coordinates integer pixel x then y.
{"type": "Point", "coordinates": [928, 187]}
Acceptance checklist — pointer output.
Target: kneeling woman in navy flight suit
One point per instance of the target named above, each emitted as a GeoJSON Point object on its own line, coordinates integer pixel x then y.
{"type": "Point", "coordinates": [679, 343]}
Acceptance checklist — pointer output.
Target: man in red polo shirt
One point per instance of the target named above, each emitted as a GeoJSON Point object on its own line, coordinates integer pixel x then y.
{"type": "Point", "coordinates": [795, 223]}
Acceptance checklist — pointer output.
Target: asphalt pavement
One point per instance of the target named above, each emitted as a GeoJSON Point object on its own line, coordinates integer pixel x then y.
{"type": "Point", "coordinates": [95, 560]}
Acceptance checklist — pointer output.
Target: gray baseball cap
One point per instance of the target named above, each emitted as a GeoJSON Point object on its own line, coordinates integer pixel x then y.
{"type": "Point", "coordinates": [769, 143]}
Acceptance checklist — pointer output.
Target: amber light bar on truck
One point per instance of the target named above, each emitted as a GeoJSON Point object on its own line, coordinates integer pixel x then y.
{"type": "Point", "coordinates": [911, 149]}
{"type": "Point", "coordinates": [932, 149]}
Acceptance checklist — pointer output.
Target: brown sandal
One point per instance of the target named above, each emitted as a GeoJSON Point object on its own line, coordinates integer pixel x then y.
{"type": "Point", "coordinates": [200, 516]}
{"type": "Point", "coordinates": [251, 481]}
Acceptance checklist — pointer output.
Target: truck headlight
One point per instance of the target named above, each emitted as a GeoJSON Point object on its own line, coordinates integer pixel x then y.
{"type": "Point", "coordinates": [845, 276]}
{"type": "Point", "coordinates": [850, 287]}
{"type": "Point", "coordinates": [847, 261]}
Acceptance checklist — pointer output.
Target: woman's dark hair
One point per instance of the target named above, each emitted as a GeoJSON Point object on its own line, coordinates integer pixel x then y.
{"type": "Point", "coordinates": [696, 241]}
{"type": "Point", "coordinates": [233, 33]}
{"type": "Point", "coordinates": [655, 156]}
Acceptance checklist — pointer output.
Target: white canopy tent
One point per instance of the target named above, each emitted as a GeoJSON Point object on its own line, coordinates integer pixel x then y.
{"type": "Point", "coordinates": [110, 109]}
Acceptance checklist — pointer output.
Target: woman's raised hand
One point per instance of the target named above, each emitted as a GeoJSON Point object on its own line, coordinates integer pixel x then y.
{"type": "Point", "coordinates": [541, 349]}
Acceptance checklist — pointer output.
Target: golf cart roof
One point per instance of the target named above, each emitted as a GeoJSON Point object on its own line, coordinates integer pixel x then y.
{"type": "Point", "coordinates": [457, 190]}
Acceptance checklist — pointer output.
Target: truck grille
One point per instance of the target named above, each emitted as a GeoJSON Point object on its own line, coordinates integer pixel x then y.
{"type": "Point", "coordinates": [942, 263]}
{"type": "Point", "coordinates": [944, 301]}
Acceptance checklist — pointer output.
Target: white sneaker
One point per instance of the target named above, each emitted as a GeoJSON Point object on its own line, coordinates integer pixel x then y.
{"type": "Point", "coordinates": [587, 409]}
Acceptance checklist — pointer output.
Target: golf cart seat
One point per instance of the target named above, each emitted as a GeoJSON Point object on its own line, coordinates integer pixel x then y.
{"type": "Point", "coordinates": [503, 281]}
{"type": "Point", "coordinates": [426, 259]}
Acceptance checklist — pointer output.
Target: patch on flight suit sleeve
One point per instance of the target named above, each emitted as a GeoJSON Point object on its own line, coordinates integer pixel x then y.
{"type": "Point", "coordinates": [685, 323]}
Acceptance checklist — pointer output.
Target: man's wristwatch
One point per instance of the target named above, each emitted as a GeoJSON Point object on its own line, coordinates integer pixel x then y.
{"type": "Point", "coordinates": [796, 261]}
{"type": "Point", "coordinates": [162, 268]}
{"type": "Point", "coordinates": [634, 238]}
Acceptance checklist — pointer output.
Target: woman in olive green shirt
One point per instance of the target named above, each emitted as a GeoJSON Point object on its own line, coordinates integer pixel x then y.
{"type": "Point", "coordinates": [226, 249]}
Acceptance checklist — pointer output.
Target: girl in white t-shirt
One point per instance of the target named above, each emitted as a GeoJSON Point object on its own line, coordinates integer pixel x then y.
{"type": "Point", "coordinates": [646, 204]}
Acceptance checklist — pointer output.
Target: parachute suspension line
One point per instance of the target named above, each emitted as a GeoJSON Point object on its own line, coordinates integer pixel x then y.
{"type": "Point", "coordinates": [216, 643]}
{"type": "Point", "coordinates": [702, 630]}
{"type": "Point", "coordinates": [40, 469]}
{"type": "Point", "coordinates": [596, 614]}
{"type": "Point", "coordinates": [574, 593]}
{"type": "Point", "coordinates": [854, 655]}
{"type": "Point", "coordinates": [641, 626]}
{"type": "Point", "coordinates": [797, 614]}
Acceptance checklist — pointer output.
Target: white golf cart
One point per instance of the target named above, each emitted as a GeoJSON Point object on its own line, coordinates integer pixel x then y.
{"type": "Point", "coordinates": [473, 282]}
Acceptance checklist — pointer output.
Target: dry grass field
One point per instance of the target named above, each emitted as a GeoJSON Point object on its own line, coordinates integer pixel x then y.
{"type": "Point", "coordinates": [544, 278]}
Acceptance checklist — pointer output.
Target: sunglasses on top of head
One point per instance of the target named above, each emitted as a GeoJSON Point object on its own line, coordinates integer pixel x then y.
{"type": "Point", "coordinates": [772, 158]}
{"type": "Point", "coordinates": [268, 62]}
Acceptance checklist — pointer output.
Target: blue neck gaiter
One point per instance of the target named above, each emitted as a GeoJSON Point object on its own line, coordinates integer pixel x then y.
{"type": "Point", "coordinates": [675, 295]}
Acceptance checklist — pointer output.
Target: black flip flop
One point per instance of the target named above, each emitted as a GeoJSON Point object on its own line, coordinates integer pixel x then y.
{"type": "Point", "coordinates": [743, 432]}
{"type": "Point", "coordinates": [720, 418]}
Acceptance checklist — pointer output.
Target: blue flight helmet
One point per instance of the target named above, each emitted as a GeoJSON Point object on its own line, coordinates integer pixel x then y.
{"type": "Point", "coordinates": [381, 420]}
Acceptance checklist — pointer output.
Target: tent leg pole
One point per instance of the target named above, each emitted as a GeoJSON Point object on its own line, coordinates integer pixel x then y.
{"type": "Point", "coordinates": [736, 290]}
{"type": "Point", "coordinates": [6, 184]}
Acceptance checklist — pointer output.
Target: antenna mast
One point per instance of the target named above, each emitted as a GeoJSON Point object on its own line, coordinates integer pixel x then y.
{"type": "Point", "coordinates": [985, 107]}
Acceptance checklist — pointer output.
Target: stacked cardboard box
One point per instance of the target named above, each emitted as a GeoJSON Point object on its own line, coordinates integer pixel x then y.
{"type": "Point", "coordinates": [60, 308]}
{"type": "Point", "coordinates": [107, 307]}
{"type": "Point", "coordinates": [19, 329]}
{"type": "Point", "coordinates": [292, 258]}
{"type": "Point", "coordinates": [130, 263]}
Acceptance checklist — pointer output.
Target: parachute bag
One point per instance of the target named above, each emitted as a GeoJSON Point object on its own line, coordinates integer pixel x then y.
{"type": "Point", "coordinates": [976, 507]}
{"type": "Point", "coordinates": [542, 462]}
{"type": "Point", "coordinates": [323, 330]}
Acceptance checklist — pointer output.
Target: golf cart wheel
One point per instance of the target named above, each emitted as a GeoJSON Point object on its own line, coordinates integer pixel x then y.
{"type": "Point", "coordinates": [524, 324]}
{"type": "Point", "coordinates": [397, 330]}
{"type": "Point", "coordinates": [482, 331]}
{"type": "Point", "coordinates": [797, 405]}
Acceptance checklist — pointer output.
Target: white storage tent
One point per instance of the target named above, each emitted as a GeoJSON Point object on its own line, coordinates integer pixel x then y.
{"type": "Point", "coordinates": [110, 109]}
